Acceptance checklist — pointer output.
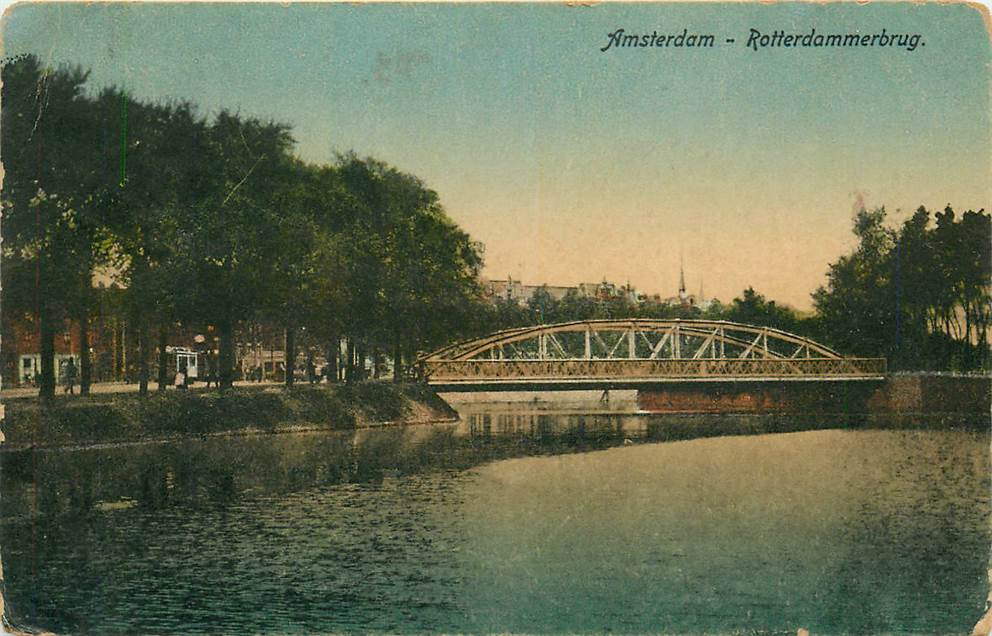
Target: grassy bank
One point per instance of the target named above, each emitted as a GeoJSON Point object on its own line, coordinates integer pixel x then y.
{"type": "Point", "coordinates": [172, 414]}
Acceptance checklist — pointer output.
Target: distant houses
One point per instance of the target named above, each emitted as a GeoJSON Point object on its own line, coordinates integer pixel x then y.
{"type": "Point", "coordinates": [517, 291]}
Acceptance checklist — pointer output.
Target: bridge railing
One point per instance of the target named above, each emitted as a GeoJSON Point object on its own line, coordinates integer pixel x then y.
{"type": "Point", "coordinates": [629, 369]}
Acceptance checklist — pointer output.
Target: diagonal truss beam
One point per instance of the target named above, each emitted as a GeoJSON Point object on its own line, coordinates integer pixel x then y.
{"type": "Point", "coordinates": [752, 339]}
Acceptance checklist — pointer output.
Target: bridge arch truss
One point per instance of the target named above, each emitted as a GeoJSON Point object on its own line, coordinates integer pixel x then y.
{"type": "Point", "coordinates": [642, 348]}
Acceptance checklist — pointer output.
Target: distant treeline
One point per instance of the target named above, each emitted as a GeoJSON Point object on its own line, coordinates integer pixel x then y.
{"type": "Point", "coordinates": [215, 222]}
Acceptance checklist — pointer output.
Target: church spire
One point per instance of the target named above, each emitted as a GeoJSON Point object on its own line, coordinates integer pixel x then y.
{"type": "Point", "coordinates": [682, 293]}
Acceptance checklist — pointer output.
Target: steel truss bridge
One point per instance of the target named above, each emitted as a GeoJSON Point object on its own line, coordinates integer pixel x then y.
{"type": "Point", "coordinates": [638, 354]}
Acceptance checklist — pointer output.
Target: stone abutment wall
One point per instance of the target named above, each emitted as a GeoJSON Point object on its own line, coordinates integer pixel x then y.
{"type": "Point", "coordinates": [897, 395]}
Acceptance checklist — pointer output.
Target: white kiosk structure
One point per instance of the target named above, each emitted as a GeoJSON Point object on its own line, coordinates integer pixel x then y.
{"type": "Point", "coordinates": [186, 362]}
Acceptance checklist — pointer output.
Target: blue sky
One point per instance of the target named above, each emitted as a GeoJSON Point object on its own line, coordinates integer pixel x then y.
{"type": "Point", "coordinates": [572, 164]}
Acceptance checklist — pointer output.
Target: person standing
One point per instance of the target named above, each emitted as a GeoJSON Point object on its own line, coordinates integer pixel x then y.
{"type": "Point", "coordinates": [311, 370]}
{"type": "Point", "coordinates": [69, 376]}
{"type": "Point", "coordinates": [212, 370]}
{"type": "Point", "coordinates": [181, 376]}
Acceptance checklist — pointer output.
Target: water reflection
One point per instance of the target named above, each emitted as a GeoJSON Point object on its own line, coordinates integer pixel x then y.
{"type": "Point", "coordinates": [505, 521]}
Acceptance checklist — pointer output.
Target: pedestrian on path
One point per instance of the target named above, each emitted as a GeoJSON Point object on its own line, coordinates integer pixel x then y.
{"type": "Point", "coordinates": [311, 370]}
{"type": "Point", "coordinates": [212, 370]}
{"type": "Point", "coordinates": [180, 380]}
{"type": "Point", "coordinates": [69, 376]}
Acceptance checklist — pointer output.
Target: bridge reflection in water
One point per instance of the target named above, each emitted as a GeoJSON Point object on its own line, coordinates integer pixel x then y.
{"type": "Point", "coordinates": [639, 354]}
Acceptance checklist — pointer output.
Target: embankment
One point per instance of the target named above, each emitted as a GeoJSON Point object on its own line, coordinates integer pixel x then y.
{"type": "Point", "coordinates": [174, 414]}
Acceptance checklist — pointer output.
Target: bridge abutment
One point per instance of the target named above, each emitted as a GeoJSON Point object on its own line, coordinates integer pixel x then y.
{"type": "Point", "coordinates": [895, 396]}
{"type": "Point", "coordinates": [758, 397]}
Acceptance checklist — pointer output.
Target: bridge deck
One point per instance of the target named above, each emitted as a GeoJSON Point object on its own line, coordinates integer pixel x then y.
{"type": "Point", "coordinates": [603, 384]}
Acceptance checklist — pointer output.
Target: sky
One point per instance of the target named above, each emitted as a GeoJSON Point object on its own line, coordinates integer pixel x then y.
{"type": "Point", "coordinates": [572, 164]}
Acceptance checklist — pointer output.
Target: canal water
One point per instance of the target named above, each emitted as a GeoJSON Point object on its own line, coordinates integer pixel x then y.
{"type": "Point", "coordinates": [521, 518]}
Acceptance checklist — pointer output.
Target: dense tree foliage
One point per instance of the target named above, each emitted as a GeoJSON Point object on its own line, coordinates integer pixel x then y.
{"type": "Point", "coordinates": [918, 294]}
{"type": "Point", "coordinates": [216, 224]}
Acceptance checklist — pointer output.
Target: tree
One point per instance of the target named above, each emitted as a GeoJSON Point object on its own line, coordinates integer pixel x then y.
{"type": "Point", "coordinates": [227, 234]}
{"type": "Point", "coordinates": [292, 287]}
{"type": "Point", "coordinates": [409, 274]}
{"type": "Point", "coordinates": [919, 295]}
{"type": "Point", "coordinates": [161, 179]}
{"type": "Point", "coordinates": [856, 308]}
{"type": "Point", "coordinates": [754, 309]}
{"type": "Point", "coordinates": [51, 208]}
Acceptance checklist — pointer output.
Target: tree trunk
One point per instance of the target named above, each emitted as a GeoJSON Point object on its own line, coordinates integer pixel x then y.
{"type": "Point", "coordinates": [8, 351]}
{"type": "Point", "coordinates": [118, 351]}
{"type": "Point", "coordinates": [85, 363]}
{"type": "Point", "coordinates": [46, 327]}
{"type": "Point", "coordinates": [966, 352]}
{"type": "Point", "coordinates": [290, 356]}
{"type": "Point", "coordinates": [225, 360]}
{"type": "Point", "coordinates": [410, 354]}
{"type": "Point", "coordinates": [143, 359]}
{"type": "Point", "coordinates": [981, 329]}
{"type": "Point", "coordinates": [163, 357]}
{"type": "Point", "coordinates": [349, 373]}
{"type": "Point", "coordinates": [85, 288]}
{"type": "Point", "coordinates": [332, 359]}
{"type": "Point", "coordinates": [397, 359]}
{"type": "Point", "coordinates": [47, 336]}
{"type": "Point", "coordinates": [360, 362]}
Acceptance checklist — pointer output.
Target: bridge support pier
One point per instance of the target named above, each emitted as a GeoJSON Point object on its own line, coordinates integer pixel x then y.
{"type": "Point", "coordinates": [757, 397]}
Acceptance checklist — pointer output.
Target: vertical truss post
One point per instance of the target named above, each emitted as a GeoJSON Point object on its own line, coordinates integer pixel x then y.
{"type": "Point", "coordinates": [588, 343]}
{"type": "Point", "coordinates": [631, 344]}
{"type": "Point", "coordinates": [676, 343]}
{"type": "Point", "coordinates": [723, 342]}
